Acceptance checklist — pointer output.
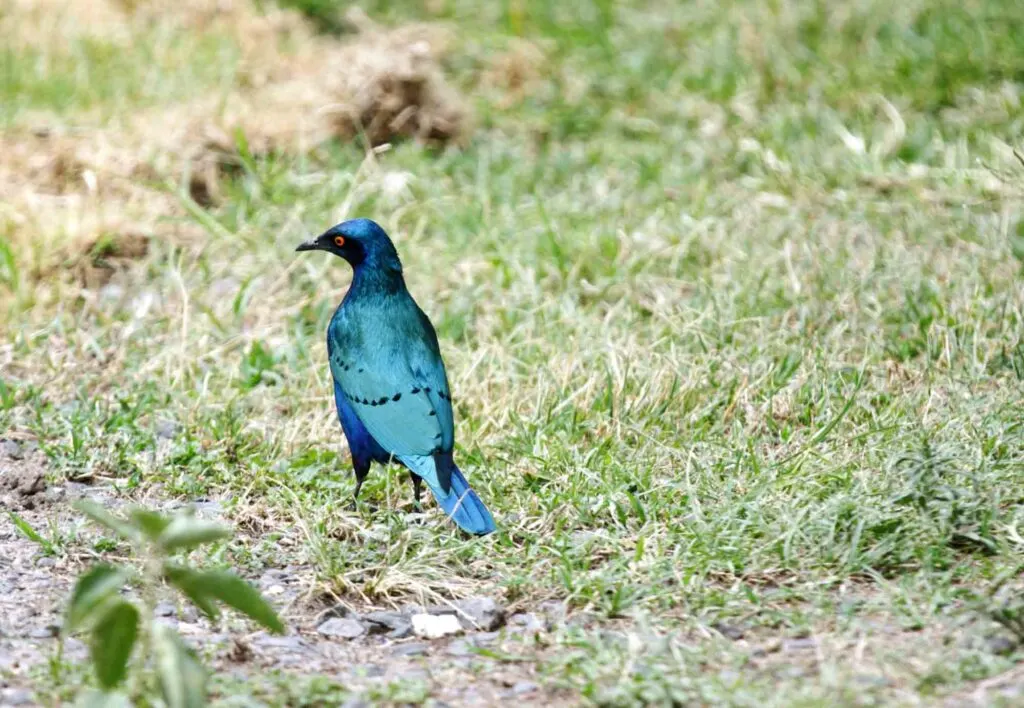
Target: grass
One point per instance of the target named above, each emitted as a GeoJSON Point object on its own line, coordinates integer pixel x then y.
{"type": "Point", "coordinates": [730, 300]}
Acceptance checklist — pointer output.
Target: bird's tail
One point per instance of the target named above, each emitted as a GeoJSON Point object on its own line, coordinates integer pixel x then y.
{"type": "Point", "coordinates": [460, 502]}
{"type": "Point", "coordinates": [464, 507]}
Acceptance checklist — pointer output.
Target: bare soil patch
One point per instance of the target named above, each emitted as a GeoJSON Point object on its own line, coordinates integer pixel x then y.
{"type": "Point", "coordinates": [22, 476]}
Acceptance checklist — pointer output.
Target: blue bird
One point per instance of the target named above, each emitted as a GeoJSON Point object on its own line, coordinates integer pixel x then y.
{"type": "Point", "coordinates": [390, 385]}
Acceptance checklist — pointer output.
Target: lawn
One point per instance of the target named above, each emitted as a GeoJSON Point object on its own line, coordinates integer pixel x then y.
{"type": "Point", "coordinates": [730, 296]}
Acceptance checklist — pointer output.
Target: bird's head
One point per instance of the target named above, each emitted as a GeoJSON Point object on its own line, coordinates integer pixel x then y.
{"type": "Point", "coordinates": [361, 242]}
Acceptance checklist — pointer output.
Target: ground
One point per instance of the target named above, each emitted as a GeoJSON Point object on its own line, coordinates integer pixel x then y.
{"type": "Point", "coordinates": [730, 297]}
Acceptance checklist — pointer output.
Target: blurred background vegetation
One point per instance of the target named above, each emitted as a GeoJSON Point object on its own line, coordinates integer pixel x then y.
{"type": "Point", "coordinates": [730, 295]}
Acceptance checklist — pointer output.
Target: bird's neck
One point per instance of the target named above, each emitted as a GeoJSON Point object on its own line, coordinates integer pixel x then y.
{"type": "Point", "coordinates": [370, 279]}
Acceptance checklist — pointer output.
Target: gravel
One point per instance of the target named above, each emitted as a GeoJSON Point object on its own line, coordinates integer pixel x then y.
{"type": "Point", "coordinates": [341, 628]}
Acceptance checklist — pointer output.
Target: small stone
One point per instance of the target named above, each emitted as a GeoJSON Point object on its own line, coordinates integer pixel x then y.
{"type": "Point", "coordinates": [11, 449]}
{"type": "Point", "coordinates": [208, 508]}
{"type": "Point", "coordinates": [435, 626]}
{"type": "Point", "coordinates": [16, 697]}
{"type": "Point", "coordinates": [481, 613]}
{"type": "Point", "coordinates": [521, 688]}
{"type": "Point", "coordinates": [339, 610]}
{"type": "Point", "coordinates": [770, 647]}
{"type": "Point", "coordinates": [382, 621]}
{"type": "Point", "coordinates": [527, 622]}
{"type": "Point", "coordinates": [582, 538]}
{"type": "Point", "coordinates": [582, 619]}
{"type": "Point", "coordinates": [46, 562]}
{"type": "Point", "coordinates": [370, 670]}
{"type": "Point", "coordinates": [486, 637]}
{"type": "Point", "coordinates": [189, 628]}
{"type": "Point", "coordinates": [411, 649]}
{"type": "Point", "coordinates": [554, 610]}
{"type": "Point", "coordinates": [47, 632]}
{"type": "Point", "coordinates": [801, 644]}
{"type": "Point", "coordinates": [460, 647]}
{"type": "Point", "coordinates": [164, 609]}
{"type": "Point", "coordinates": [343, 628]}
{"type": "Point", "coordinates": [1001, 645]}
{"type": "Point", "coordinates": [292, 641]}
{"type": "Point", "coordinates": [30, 482]}
{"type": "Point", "coordinates": [402, 632]}
{"type": "Point", "coordinates": [355, 702]}
{"type": "Point", "coordinates": [166, 429]}
{"type": "Point", "coordinates": [728, 631]}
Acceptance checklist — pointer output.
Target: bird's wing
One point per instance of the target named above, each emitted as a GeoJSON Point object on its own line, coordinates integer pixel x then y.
{"type": "Point", "coordinates": [400, 393]}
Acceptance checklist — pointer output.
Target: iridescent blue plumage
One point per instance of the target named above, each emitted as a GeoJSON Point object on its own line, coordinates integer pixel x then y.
{"type": "Point", "coordinates": [390, 385]}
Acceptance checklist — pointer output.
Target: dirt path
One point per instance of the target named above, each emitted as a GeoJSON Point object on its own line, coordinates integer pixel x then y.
{"type": "Point", "coordinates": [368, 650]}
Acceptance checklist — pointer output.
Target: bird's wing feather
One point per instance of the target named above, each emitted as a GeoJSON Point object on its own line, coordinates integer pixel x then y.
{"type": "Point", "coordinates": [400, 393]}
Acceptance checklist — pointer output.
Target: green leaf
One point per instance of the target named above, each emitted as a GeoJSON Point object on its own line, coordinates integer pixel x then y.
{"type": "Point", "coordinates": [149, 522]}
{"type": "Point", "coordinates": [235, 592]}
{"type": "Point", "coordinates": [113, 639]}
{"type": "Point", "coordinates": [189, 582]}
{"type": "Point", "coordinates": [182, 677]}
{"type": "Point", "coordinates": [31, 534]}
{"type": "Point", "coordinates": [225, 586]}
{"type": "Point", "coordinates": [188, 532]}
{"type": "Point", "coordinates": [103, 699]}
{"type": "Point", "coordinates": [105, 519]}
{"type": "Point", "coordinates": [97, 587]}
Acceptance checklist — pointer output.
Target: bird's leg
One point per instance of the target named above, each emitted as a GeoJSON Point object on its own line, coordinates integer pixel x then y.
{"type": "Point", "coordinates": [361, 470]}
{"type": "Point", "coordinates": [417, 481]}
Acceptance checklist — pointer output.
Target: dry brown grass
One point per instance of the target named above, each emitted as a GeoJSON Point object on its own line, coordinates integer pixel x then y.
{"type": "Point", "coordinates": [65, 186]}
{"type": "Point", "coordinates": [517, 71]}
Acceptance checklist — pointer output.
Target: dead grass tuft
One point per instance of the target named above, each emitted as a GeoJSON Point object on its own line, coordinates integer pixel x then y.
{"type": "Point", "coordinates": [389, 85]}
{"type": "Point", "coordinates": [516, 71]}
{"type": "Point", "coordinates": [97, 261]}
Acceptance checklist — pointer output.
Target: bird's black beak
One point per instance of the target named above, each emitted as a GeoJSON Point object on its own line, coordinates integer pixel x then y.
{"type": "Point", "coordinates": [310, 245]}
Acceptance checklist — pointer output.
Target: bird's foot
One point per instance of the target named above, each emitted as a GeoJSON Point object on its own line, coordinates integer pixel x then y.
{"type": "Point", "coordinates": [355, 504]}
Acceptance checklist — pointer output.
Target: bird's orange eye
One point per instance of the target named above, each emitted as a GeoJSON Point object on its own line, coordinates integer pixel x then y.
{"type": "Point", "coordinates": [339, 241]}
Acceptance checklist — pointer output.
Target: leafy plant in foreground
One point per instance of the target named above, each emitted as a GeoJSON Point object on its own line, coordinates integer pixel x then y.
{"type": "Point", "coordinates": [116, 624]}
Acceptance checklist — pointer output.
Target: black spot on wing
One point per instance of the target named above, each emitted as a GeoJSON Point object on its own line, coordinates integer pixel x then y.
{"type": "Point", "coordinates": [383, 400]}
{"type": "Point", "coordinates": [414, 391]}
